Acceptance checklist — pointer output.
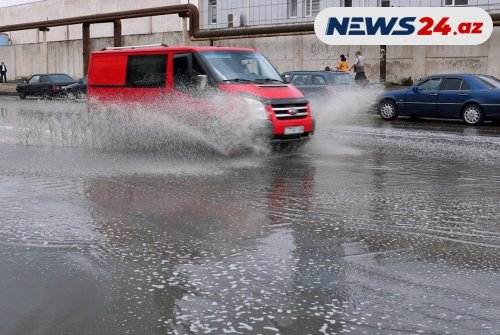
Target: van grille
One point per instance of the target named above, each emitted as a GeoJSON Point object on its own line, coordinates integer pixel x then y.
{"type": "Point", "coordinates": [290, 111]}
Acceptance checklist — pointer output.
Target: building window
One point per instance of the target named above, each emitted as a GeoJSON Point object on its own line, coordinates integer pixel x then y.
{"type": "Point", "coordinates": [456, 2]}
{"type": "Point", "coordinates": [292, 8]}
{"type": "Point", "coordinates": [386, 3]}
{"type": "Point", "coordinates": [311, 7]}
{"type": "Point", "coordinates": [347, 3]}
{"type": "Point", "coordinates": [212, 11]}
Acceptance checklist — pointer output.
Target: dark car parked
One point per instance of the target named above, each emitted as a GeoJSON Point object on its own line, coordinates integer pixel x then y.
{"type": "Point", "coordinates": [470, 97]}
{"type": "Point", "coordinates": [77, 90]}
{"type": "Point", "coordinates": [318, 84]}
{"type": "Point", "coordinates": [44, 85]}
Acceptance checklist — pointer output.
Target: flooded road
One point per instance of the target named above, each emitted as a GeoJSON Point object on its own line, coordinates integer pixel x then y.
{"type": "Point", "coordinates": [372, 228]}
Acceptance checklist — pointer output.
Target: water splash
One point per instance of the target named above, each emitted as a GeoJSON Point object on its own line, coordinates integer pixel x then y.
{"type": "Point", "coordinates": [345, 105]}
{"type": "Point", "coordinates": [221, 125]}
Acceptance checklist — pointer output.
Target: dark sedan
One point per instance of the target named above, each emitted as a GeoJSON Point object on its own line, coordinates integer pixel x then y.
{"type": "Point", "coordinates": [319, 84]}
{"type": "Point", "coordinates": [77, 90]}
{"type": "Point", "coordinates": [470, 97]}
{"type": "Point", "coordinates": [44, 85]}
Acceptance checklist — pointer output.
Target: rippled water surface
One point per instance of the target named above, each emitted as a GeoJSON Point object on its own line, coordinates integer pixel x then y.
{"type": "Point", "coordinates": [372, 228]}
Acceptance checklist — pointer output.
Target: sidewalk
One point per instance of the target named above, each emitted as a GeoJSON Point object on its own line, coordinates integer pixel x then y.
{"type": "Point", "coordinates": [8, 88]}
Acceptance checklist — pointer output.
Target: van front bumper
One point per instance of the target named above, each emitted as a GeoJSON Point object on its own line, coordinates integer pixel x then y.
{"type": "Point", "coordinates": [268, 132]}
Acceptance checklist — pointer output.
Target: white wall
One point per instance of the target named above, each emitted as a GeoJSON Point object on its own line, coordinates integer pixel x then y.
{"type": "Point", "coordinates": [288, 53]}
{"type": "Point", "coordinates": [308, 53]}
{"type": "Point", "coordinates": [285, 52]}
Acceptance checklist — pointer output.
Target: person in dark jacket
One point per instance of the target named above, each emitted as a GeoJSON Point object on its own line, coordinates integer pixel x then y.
{"type": "Point", "coordinates": [3, 73]}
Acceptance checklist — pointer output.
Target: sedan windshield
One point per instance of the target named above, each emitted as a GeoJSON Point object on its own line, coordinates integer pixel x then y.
{"type": "Point", "coordinates": [240, 66]}
{"type": "Point", "coordinates": [489, 81]}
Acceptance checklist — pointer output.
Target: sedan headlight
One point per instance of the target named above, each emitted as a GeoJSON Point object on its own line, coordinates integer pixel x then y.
{"type": "Point", "coordinates": [257, 108]}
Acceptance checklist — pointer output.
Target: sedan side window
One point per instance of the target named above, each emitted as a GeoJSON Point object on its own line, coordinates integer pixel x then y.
{"type": "Point", "coordinates": [299, 79]}
{"type": "Point", "coordinates": [45, 79]}
{"type": "Point", "coordinates": [342, 78]}
{"type": "Point", "coordinates": [451, 84]}
{"type": "Point", "coordinates": [465, 86]}
{"type": "Point", "coordinates": [429, 85]}
{"type": "Point", "coordinates": [34, 80]}
{"type": "Point", "coordinates": [317, 80]}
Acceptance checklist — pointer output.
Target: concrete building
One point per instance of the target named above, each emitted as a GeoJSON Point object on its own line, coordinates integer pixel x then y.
{"type": "Point", "coordinates": [232, 13]}
{"type": "Point", "coordinates": [25, 54]}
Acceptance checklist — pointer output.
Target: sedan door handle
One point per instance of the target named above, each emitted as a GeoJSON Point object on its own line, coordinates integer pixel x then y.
{"type": "Point", "coordinates": [433, 94]}
{"type": "Point", "coordinates": [463, 94]}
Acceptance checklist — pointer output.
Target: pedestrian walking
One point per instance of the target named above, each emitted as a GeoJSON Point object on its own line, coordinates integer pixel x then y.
{"type": "Point", "coordinates": [359, 68]}
{"type": "Point", "coordinates": [343, 66]}
{"type": "Point", "coordinates": [3, 73]}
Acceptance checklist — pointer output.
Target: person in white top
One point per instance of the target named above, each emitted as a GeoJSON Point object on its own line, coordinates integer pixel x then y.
{"type": "Point", "coordinates": [3, 73]}
{"type": "Point", "coordinates": [359, 68]}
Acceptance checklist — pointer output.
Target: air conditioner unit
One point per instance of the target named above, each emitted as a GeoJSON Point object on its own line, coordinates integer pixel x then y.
{"type": "Point", "coordinates": [456, 3]}
{"type": "Point", "coordinates": [233, 20]}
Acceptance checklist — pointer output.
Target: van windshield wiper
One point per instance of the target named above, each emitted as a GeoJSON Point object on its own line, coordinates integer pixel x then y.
{"type": "Point", "coordinates": [238, 80]}
{"type": "Point", "coordinates": [269, 79]}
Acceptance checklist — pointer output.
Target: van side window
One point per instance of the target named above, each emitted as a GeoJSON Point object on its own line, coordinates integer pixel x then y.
{"type": "Point", "coordinates": [186, 70]}
{"type": "Point", "coordinates": [146, 71]}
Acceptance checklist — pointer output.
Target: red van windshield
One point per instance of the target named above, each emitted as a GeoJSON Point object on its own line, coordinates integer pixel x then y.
{"type": "Point", "coordinates": [240, 66]}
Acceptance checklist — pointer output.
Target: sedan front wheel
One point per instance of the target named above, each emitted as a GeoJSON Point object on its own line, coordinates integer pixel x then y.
{"type": "Point", "coordinates": [22, 95]}
{"type": "Point", "coordinates": [388, 110]}
{"type": "Point", "coordinates": [472, 114]}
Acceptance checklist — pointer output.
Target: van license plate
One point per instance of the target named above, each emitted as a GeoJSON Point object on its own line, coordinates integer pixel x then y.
{"type": "Point", "coordinates": [294, 130]}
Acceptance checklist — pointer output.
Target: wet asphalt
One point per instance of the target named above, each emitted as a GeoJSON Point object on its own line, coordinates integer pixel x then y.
{"type": "Point", "coordinates": [371, 228]}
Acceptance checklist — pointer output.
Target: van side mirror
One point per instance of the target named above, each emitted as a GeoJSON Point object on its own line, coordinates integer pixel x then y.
{"type": "Point", "coordinates": [202, 82]}
{"type": "Point", "coordinates": [287, 78]}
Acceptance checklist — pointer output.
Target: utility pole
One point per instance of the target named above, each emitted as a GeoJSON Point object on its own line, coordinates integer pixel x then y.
{"type": "Point", "coordinates": [383, 63]}
{"type": "Point", "coordinates": [383, 49]}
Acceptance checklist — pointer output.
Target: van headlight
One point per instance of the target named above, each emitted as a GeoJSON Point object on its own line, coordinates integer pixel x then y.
{"type": "Point", "coordinates": [257, 108]}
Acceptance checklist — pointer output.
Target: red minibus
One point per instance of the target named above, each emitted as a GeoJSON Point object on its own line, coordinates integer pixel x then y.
{"type": "Point", "coordinates": [164, 75]}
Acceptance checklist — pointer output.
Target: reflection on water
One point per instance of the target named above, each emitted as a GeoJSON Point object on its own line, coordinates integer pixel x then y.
{"type": "Point", "coordinates": [391, 230]}
{"type": "Point", "coordinates": [271, 249]}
